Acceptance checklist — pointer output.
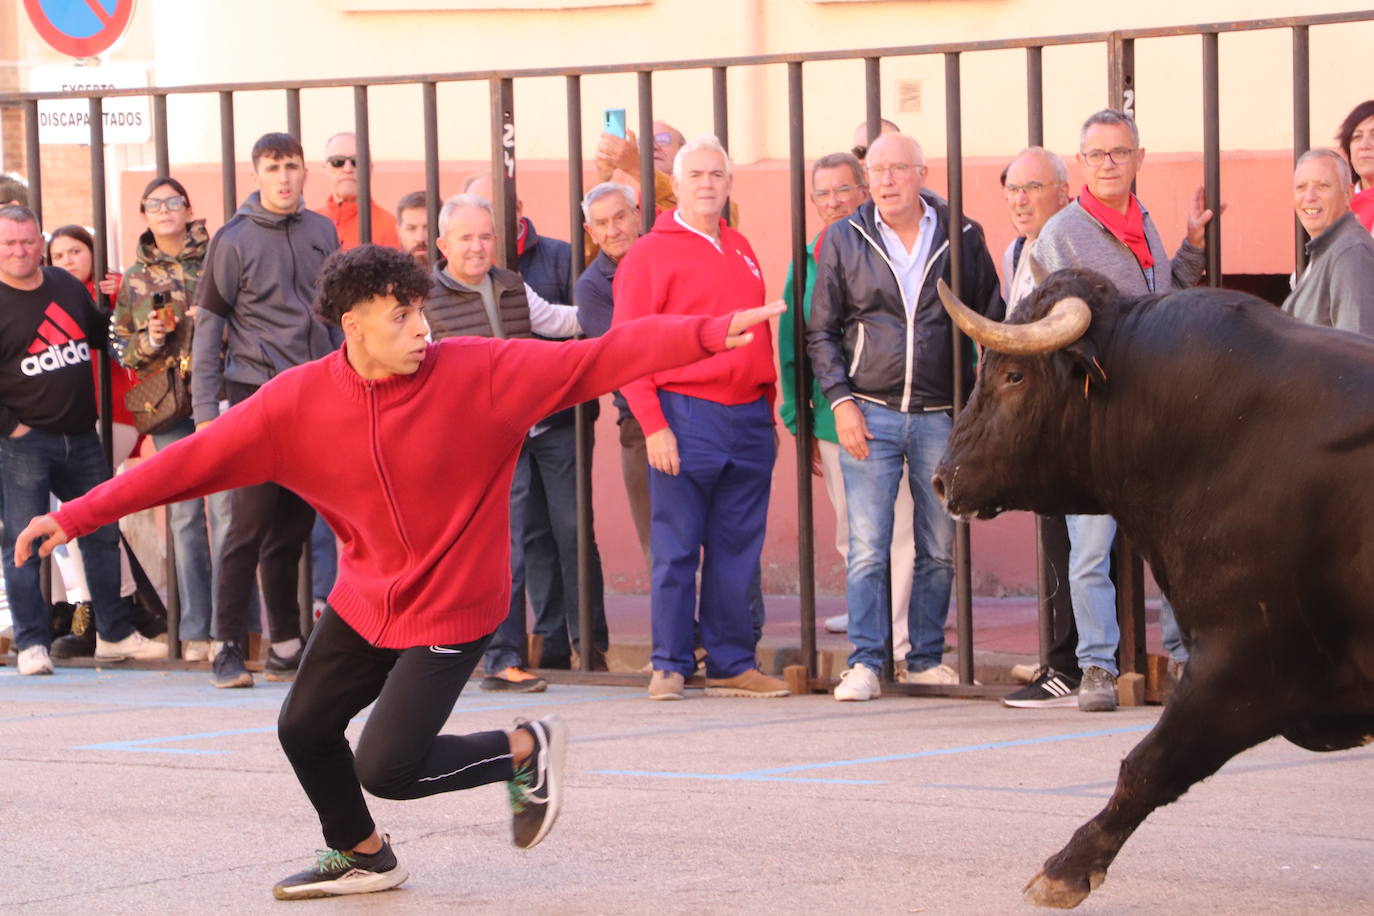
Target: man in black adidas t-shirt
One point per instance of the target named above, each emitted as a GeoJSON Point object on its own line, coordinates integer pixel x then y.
{"type": "Point", "coordinates": [48, 443]}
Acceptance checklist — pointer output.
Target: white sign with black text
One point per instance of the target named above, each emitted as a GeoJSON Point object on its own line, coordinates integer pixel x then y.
{"type": "Point", "coordinates": [126, 119]}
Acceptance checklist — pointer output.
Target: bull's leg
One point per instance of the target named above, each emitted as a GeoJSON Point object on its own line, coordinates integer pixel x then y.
{"type": "Point", "coordinates": [1211, 717]}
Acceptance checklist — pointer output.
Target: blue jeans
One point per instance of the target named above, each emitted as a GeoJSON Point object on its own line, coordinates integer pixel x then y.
{"type": "Point", "coordinates": [505, 649]}
{"type": "Point", "coordinates": [191, 540]}
{"type": "Point", "coordinates": [31, 467]}
{"type": "Point", "coordinates": [324, 558]}
{"type": "Point", "coordinates": [916, 442]}
{"type": "Point", "coordinates": [1094, 595]}
{"type": "Point", "coordinates": [711, 515]}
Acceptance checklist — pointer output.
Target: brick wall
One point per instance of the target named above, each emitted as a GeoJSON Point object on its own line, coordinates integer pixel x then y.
{"type": "Point", "coordinates": [66, 173]}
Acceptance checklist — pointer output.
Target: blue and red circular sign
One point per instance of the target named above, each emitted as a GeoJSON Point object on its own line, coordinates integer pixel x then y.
{"type": "Point", "coordinates": [81, 28]}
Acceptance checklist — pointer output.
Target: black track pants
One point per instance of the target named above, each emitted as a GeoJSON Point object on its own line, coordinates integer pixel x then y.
{"type": "Point", "coordinates": [400, 753]}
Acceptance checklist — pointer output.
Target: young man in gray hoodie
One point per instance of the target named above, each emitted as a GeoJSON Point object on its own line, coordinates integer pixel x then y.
{"type": "Point", "coordinates": [255, 321]}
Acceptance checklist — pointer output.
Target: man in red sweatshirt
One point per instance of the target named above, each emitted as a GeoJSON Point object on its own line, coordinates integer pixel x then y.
{"type": "Point", "coordinates": [423, 578]}
{"type": "Point", "coordinates": [708, 432]}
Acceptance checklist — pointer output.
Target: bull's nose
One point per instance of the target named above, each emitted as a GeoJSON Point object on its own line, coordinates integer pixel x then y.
{"type": "Point", "coordinates": [938, 483]}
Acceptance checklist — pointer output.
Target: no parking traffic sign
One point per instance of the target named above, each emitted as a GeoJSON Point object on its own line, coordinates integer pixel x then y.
{"type": "Point", "coordinates": [81, 28]}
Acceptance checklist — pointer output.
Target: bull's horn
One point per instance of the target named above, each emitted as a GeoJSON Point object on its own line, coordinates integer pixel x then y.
{"type": "Point", "coordinates": [1065, 323]}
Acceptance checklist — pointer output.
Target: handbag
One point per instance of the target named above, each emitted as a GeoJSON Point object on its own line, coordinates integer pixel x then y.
{"type": "Point", "coordinates": [162, 399]}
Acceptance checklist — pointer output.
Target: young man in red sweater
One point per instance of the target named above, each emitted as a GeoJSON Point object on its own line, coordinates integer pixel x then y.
{"type": "Point", "coordinates": [420, 589]}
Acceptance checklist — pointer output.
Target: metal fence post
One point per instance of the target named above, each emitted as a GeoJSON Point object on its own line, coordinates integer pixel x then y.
{"type": "Point", "coordinates": [228, 176]}
{"type": "Point", "coordinates": [34, 159]}
{"type": "Point", "coordinates": [583, 430]}
{"type": "Point", "coordinates": [1211, 153]}
{"type": "Point", "coordinates": [429, 97]}
{"type": "Point", "coordinates": [364, 164]}
{"type": "Point", "coordinates": [1302, 128]}
{"type": "Point", "coordinates": [648, 197]}
{"type": "Point", "coordinates": [99, 267]}
{"type": "Point", "coordinates": [503, 169]}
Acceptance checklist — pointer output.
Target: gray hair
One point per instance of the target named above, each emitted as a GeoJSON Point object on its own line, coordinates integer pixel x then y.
{"type": "Point", "coordinates": [18, 213]}
{"type": "Point", "coordinates": [836, 160]}
{"type": "Point", "coordinates": [704, 141]}
{"type": "Point", "coordinates": [342, 133]}
{"type": "Point", "coordinates": [606, 189]}
{"type": "Point", "coordinates": [1061, 171]}
{"type": "Point", "coordinates": [1342, 167]}
{"type": "Point", "coordinates": [458, 202]}
{"type": "Point", "coordinates": [1112, 117]}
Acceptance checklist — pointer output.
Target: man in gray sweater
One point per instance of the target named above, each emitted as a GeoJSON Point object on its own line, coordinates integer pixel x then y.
{"type": "Point", "coordinates": [254, 321]}
{"type": "Point", "coordinates": [1108, 230]}
{"type": "Point", "coordinates": [1337, 288]}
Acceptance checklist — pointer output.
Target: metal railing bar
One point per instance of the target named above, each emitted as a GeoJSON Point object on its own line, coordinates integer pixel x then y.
{"type": "Point", "coordinates": [364, 166]}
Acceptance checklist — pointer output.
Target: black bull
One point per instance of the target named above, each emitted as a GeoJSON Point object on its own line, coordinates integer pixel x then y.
{"type": "Point", "coordinates": [1235, 447]}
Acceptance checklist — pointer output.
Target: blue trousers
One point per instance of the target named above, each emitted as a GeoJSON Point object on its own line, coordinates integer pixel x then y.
{"type": "Point", "coordinates": [711, 515]}
{"type": "Point", "coordinates": [31, 467]}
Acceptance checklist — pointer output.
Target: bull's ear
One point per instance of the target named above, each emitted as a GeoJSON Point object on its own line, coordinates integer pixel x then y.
{"type": "Point", "coordinates": [1083, 353]}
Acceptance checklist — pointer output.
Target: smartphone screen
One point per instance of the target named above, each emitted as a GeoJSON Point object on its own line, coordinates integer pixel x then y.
{"type": "Point", "coordinates": [615, 122]}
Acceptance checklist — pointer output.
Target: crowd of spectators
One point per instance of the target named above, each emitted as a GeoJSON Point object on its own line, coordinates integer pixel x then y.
{"type": "Point", "coordinates": [698, 443]}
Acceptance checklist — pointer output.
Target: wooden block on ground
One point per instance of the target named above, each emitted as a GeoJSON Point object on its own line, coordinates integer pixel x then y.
{"type": "Point", "coordinates": [797, 680]}
{"type": "Point", "coordinates": [1130, 690]}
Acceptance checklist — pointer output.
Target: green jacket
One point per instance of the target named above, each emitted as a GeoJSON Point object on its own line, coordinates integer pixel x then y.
{"type": "Point", "coordinates": [822, 418]}
{"type": "Point", "coordinates": [157, 272]}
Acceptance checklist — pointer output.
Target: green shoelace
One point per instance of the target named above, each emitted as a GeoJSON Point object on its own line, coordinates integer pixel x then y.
{"type": "Point", "coordinates": [332, 860]}
{"type": "Point", "coordinates": [518, 788]}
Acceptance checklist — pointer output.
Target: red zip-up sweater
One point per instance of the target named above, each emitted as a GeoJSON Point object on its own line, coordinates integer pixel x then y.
{"type": "Point", "coordinates": [676, 271]}
{"type": "Point", "coordinates": [413, 472]}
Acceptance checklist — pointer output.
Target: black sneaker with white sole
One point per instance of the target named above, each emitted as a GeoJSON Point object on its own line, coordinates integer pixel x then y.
{"type": "Point", "coordinates": [336, 873]}
{"type": "Point", "coordinates": [536, 791]}
{"type": "Point", "coordinates": [1049, 689]}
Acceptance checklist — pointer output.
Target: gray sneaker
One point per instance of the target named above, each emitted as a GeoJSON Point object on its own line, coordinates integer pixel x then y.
{"type": "Point", "coordinates": [1097, 692]}
{"type": "Point", "coordinates": [337, 872]}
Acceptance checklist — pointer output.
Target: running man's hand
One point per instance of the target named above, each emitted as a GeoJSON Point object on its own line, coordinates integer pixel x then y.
{"type": "Point", "coordinates": [43, 527]}
{"type": "Point", "coordinates": [852, 429]}
{"type": "Point", "coordinates": [739, 334]}
{"type": "Point", "coordinates": [662, 449]}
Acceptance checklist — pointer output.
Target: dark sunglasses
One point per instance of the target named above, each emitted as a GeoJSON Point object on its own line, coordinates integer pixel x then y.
{"type": "Point", "coordinates": [338, 161]}
{"type": "Point", "coordinates": [158, 204]}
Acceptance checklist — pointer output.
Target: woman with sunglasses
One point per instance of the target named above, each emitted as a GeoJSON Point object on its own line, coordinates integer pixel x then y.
{"type": "Point", "coordinates": [162, 283]}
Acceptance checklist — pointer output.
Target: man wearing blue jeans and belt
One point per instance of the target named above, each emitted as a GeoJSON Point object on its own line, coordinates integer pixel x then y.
{"type": "Point", "coordinates": [883, 355]}
{"type": "Point", "coordinates": [1106, 229]}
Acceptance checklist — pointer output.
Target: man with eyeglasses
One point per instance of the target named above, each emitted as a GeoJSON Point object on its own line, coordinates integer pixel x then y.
{"type": "Point", "coordinates": [1108, 230]}
{"type": "Point", "coordinates": [253, 323]}
{"type": "Point", "coordinates": [882, 348]}
{"type": "Point", "coordinates": [838, 187]}
{"type": "Point", "coordinates": [341, 174]}
{"type": "Point", "coordinates": [1036, 186]}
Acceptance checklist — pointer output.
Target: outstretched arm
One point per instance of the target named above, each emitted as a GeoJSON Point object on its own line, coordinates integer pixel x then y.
{"type": "Point", "coordinates": [531, 379]}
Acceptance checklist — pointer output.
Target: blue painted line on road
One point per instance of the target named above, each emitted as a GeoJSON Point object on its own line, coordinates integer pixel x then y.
{"type": "Point", "coordinates": [159, 745]}
{"type": "Point", "coordinates": [942, 751]}
{"type": "Point", "coordinates": [741, 777]}
{"type": "Point", "coordinates": [778, 774]}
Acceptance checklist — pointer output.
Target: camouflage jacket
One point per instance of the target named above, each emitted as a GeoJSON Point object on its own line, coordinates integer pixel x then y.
{"type": "Point", "coordinates": [176, 279]}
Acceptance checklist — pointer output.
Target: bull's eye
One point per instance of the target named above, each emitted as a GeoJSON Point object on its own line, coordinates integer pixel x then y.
{"type": "Point", "coordinates": [1014, 378]}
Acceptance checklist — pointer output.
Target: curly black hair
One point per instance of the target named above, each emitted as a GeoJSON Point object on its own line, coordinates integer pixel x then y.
{"type": "Point", "coordinates": [367, 272]}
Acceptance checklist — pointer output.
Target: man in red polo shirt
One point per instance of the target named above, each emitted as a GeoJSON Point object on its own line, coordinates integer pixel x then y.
{"type": "Point", "coordinates": [423, 579]}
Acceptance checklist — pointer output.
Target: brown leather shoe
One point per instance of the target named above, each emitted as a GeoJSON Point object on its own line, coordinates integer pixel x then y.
{"type": "Point", "coordinates": [665, 685]}
{"type": "Point", "coordinates": [751, 683]}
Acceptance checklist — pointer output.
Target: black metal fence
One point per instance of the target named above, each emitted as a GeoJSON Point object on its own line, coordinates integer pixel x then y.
{"type": "Point", "coordinates": [1121, 94]}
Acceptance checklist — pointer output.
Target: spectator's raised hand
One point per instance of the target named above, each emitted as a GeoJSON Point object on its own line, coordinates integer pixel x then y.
{"type": "Point", "coordinates": [1198, 218]}
{"type": "Point", "coordinates": [614, 152]}
{"type": "Point", "coordinates": [739, 334]}
{"type": "Point", "coordinates": [662, 451]}
{"type": "Point", "coordinates": [43, 527]}
{"type": "Point", "coordinates": [110, 285]}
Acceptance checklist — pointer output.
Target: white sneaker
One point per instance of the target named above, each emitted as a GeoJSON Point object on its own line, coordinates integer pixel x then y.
{"type": "Point", "coordinates": [837, 624]}
{"type": "Point", "coordinates": [34, 660]}
{"type": "Point", "coordinates": [135, 646]}
{"type": "Point", "coordinates": [858, 683]}
{"type": "Point", "coordinates": [940, 674]}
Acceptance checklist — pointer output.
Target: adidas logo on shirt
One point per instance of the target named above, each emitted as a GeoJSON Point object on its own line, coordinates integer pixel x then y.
{"type": "Point", "coordinates": [60, 342]}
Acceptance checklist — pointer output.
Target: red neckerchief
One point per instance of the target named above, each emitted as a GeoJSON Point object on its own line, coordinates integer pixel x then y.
{"type": "Point", "coordinates": [1363, 205]}
{"type": "Point", "coordinates": [521, 234]}
{"type": "Point", "coordinates": [1130, 228]}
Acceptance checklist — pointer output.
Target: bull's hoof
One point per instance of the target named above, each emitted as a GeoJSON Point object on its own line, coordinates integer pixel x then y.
{"type": "Point", "coordinates": [1061, 895]}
